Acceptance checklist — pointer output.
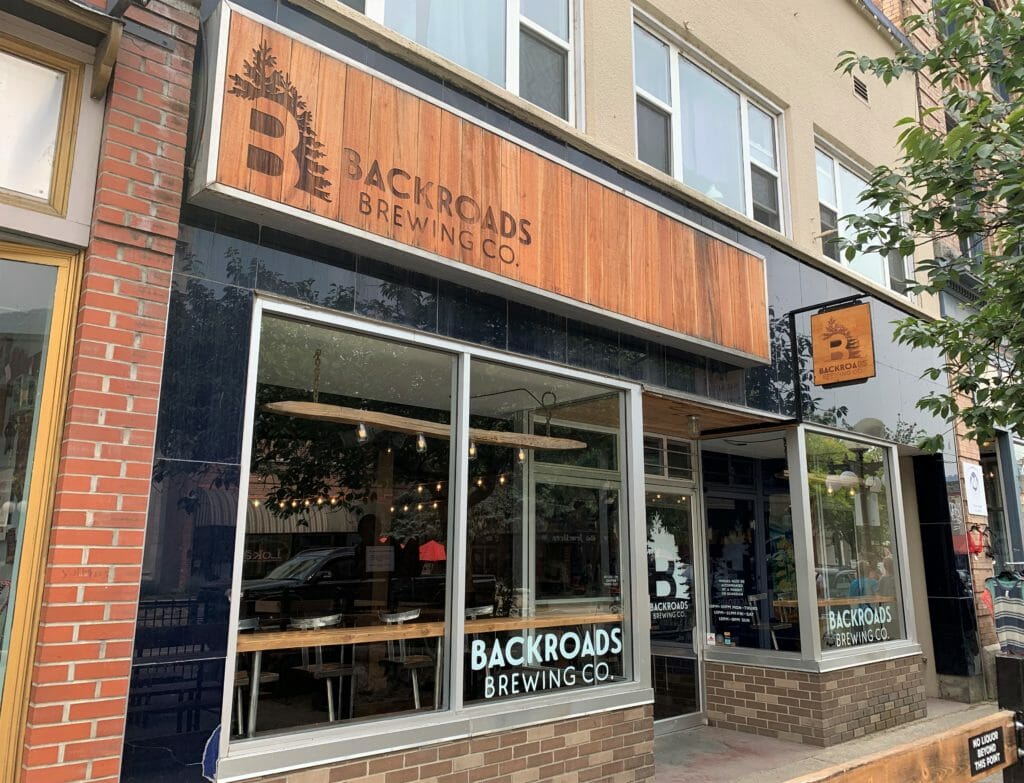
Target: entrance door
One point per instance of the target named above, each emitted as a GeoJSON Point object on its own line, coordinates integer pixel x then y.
{"type": "Point", "coordinates": [675, 668]}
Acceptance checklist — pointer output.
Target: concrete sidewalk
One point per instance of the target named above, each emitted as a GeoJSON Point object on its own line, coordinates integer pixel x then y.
{"type": "Point", "coordinates": [709, 755]}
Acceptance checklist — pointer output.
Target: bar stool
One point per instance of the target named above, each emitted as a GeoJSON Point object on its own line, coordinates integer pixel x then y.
{"type": "Point", "coordinates": [328, 672]}
{"type": "Point", "coordinates": [399, 657]}
{"type": "Point", "coordinates": [241, 683]}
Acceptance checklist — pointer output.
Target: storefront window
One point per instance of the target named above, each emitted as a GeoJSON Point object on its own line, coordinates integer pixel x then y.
{"type": "Point", "coordinates": [344, 596]}
{"type": "Point", "coordinates": [856, 572]}
{"type": "Point", "coordinates": [545, 532]}
{"type": "Point", "coordinates": [26, 307]}
{"type": "Point", "coordinates": [347, 592]}
{"type": "Point", "coordinates": [752, 581]}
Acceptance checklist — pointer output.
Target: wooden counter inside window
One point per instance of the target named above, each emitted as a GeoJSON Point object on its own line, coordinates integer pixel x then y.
{"type": "Point", "coordinates": [286, 640]}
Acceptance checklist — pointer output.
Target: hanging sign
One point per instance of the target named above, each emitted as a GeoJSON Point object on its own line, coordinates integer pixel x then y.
{"type": "Point", "coordinates": [842, 346]}
{"type": "Point", "coordinates": [312, 143]}
{"type": "Point", "coordinates": [974, 488]}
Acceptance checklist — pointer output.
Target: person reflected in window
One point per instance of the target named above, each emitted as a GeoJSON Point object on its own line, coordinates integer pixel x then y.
{"type": "Point", "coordinates": [887, 584]}
{"type": "Point", "coordinates": [866, 582]}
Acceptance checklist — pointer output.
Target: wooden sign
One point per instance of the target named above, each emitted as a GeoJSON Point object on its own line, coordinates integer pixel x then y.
{"type": "Point", "coordinates": [842, 346]}
{"type": "Point", "coordinates": [297, 127]}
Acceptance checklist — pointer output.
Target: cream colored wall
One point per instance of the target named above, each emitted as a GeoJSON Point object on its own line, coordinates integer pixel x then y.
{"type": "Point", "coordinates": [787, 53]}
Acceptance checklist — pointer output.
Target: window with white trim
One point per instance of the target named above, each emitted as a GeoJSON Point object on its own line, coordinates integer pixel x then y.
{"type": "Point", "coordinates": [526, 46]}
{"type": "Point", "coordinates": [699, 128]}
{"type": "Point", "coordinates": [839, 191]}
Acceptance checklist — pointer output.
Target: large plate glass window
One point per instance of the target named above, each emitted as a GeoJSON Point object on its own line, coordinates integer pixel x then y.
{"type": "Point", "coordinates": [345, 572]}
{"type": "Point", "coordinates": [546, 527]}
{"type": "Point", "coordinates": [525, 46]}
{"type": "Point", "coordinates": [839, 191]}
{"type": "Point", "coordinates": [752, 575]}
{"type": "Point", "coordinates": [854, 536]}
{"type": "Point", "coordinates": [707, 132]}
{"type": "Point", "coordinates": [349, 555]}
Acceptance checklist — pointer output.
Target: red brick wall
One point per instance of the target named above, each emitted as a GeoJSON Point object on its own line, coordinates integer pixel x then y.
{"type": "Point", "coordinates": [816, 709]}
{"type": "Point", "coordinates": [78, 695]}
{"type": "Point", "coordinates": [611, 747]}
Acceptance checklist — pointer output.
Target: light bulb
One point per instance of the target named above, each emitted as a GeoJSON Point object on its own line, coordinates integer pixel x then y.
{"type": "Point", "coordinates": [522, 455]}
{"type": "Point", "coordinates": [255, 504]}
{"type": "Point", "coordinates": [479, 482]}
{"type": "Point", "coordinates": [421, 443]}
{"type": "Point", "coordinates": [438, 487]}
{"type": "Point", "coordinates": [419, 489]}
{"type": "Point", "coordinates": [334, 501]}
{"type": "Point", "coordinates": [419, 506]}
{"type": "Point", "coordinates": [472, 450]}
{"type": "Point", "coordinates": [361, 434]}
{"type": "Point", "coordinates": [392, 509]}
{"type": "Point", "coordinates": [501, 480]}
{"type": "Point", "coordinates": [319, 501]}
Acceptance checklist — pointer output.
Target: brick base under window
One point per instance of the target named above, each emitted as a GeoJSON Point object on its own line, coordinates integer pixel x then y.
{"type": "Point", "coordinates": [612, 747]}
{"type": "Point", "coordinates": [816, 709]}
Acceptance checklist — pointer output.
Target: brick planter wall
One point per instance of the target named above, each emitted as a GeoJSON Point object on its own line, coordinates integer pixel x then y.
{"type": "Point", "coordinates": [612, 747]}
{"type": "Point", "coordinates": [79, 688]}
{"type": "Point", "coordinates": [816, 709]}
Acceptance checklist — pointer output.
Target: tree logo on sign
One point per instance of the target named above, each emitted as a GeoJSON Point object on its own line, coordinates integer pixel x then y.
{"type": "Point", "coordinates": [262, 79]}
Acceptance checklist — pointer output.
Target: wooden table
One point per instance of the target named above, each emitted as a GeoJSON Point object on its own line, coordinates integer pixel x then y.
{"type": "Point", "coordinates": [257, 642]}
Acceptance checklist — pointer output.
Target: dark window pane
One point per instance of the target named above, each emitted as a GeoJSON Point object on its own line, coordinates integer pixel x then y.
{"type": "Point", "coordinates": [358, 5]}
{"type": "Point", "coordinates": [653, 464]}
{"type": "Point", "coordinates": [765, 189]}
{"type": "Point", "coordinates": [542, 75]}
{"type": "Point", "coordinates": [898, 273]}
{"type": "Point", "coordinates": [652, 137]}
{"type": "Point", "coordinates": [829, 232]}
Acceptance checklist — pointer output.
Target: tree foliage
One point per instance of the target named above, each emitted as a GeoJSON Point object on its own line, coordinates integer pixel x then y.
{"type": "Point", "coordinates": [958, 187]}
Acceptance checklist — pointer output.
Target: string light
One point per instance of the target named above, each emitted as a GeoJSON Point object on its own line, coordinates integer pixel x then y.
{"type": "Point", "coordinates": [472, 450]}
{"type": "Point", "coordinates": [501, 480]}
{"type": "Point", "coordinates": [522, 455]}
{"type": "Point", "coordinates": [421, 443]}
{"type": "Point", "coordinates": [281, 504]}
{"type": "Point", "coordinates": [361, 434]}
{"type": "Point", "coordinates": [419, 489]}
{"type": "Point", "coordinates": [334, 501]}
{"type": "Point", "coordinates": [392, 509]}
{"type": "Point", "coordinates": [479, 482]}
{"type": "Point", "coordinates": [438, 487]}
{"type": "Point", "coordinates": [419, 506]}
{"type": "Point", "coordinates": [295, 504]}
{"type": "Point", "coordinates": [305, 503]}
{"type": "Point", "coordinates": [320, 501]}
{"type": "Point", "coordinates": [405, 508]}
{"type": "Point", "coordinates": [436, 504]}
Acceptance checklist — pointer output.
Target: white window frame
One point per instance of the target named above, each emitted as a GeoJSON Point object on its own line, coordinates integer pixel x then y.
{"type": "Point", "coordinates": [515, 22]}
{"type": "Point", "coordinates": [677, 51]}
{"type": "Point", "coordinates": [277, 753]}
{"type": "Point", "coordinates": [836, 205]}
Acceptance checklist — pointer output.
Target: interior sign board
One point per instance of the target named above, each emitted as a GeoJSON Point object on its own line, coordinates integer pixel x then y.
{"type": "Point", "coordinates": [842, 346]}
{"type": "Point", "coordinates": [985, 751]}
{"type": "Point", "coordinates": [974, 484]}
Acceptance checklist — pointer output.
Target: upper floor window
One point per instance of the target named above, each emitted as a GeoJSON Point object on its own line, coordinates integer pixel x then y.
{"type": "Point", "coordinates": [712, 136]}
{"type": "Point", "coordinates": [35, 154]}
{"type": "Point", "coordinates": [839, 192]}
{"type": "Point", "coordinates": [525, 46]}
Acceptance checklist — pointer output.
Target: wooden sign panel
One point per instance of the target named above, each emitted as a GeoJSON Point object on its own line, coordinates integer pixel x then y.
{"type": "Point", "coordinates": [842, 346]}
{"type": "Point", "coordinates": [303, 128]}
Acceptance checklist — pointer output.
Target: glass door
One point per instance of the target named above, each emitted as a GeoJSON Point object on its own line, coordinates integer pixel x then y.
{"type": "Point", "coordinates": [675, 667]}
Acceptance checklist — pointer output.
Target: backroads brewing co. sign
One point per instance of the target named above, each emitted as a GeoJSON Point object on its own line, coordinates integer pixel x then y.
{"type": "Point", "coordinates": [842, 346]}
{"type": "Point", "coordinates": [299, 134]}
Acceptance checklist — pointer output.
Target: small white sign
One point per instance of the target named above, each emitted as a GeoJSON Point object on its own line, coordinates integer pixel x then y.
{"type": "Point", "coordinates": [974, 487]}
{"type": "Point", "coordinates": [710, 640]}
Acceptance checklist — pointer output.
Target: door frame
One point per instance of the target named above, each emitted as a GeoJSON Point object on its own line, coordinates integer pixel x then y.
{"type": "Point", "coordinates": [26, 599]}
{"type": "Point", "coordinates": [691, 490]}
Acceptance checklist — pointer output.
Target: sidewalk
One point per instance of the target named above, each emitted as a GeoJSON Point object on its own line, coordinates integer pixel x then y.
{"type": "Point", "coordinates": [710, 755]}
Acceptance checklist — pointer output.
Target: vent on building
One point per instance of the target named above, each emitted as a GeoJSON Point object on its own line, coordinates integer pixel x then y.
{"type": "Point", "coordinates": [860, 89]}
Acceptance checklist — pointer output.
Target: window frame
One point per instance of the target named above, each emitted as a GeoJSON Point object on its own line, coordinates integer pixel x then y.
{"type": "Point", "coordinates": [244, 758]}
{"type": "Point", "coordinates": [27, 597]}
{"type": "Point", "coordinates": [67, 126]}
{"type": "Point", "coordinates": [840, 209]}
{"type": "Point", "coordinates": [812, 657]}
{"type": "Point", "coordinates": [677, 51]}
{"type": "Point", "coordinates": [515, 23]}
